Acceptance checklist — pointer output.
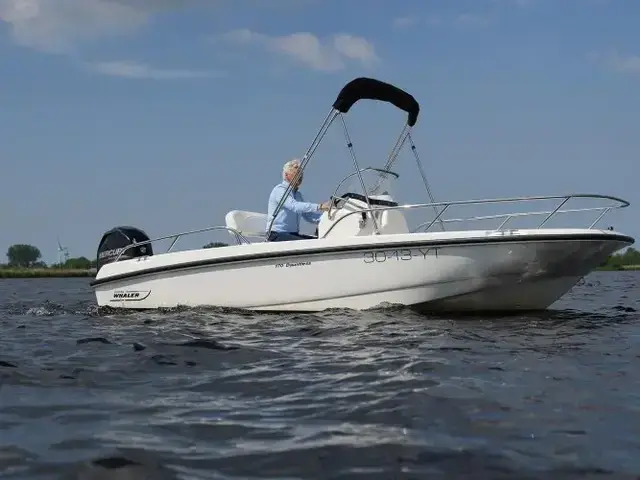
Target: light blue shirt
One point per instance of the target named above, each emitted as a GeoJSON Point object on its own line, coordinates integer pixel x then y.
{"type": "Point", "coordinates": [294, 207]}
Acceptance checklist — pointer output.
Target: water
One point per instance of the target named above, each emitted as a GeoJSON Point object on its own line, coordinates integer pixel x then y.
{"type": "Point", "coordinates": [386, 394]}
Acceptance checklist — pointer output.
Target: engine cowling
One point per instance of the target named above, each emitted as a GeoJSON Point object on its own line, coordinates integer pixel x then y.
{"type": "Point", "coordinates": [114, 241]}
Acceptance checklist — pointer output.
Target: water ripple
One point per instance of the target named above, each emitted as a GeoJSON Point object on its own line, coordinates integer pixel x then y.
{"type": "Point", "coordinates": [388, 393]}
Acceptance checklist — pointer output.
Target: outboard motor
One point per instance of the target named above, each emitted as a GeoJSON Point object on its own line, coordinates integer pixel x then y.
{"type": "Point", "coordinates": [116, 239]}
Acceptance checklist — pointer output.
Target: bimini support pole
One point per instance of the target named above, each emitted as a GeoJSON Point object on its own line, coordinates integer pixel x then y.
{"type": "Point", "coordinates": [424, 178]}
{"type": "Point", "coordinates": [305, 159]}
{"type": "Point", "coordinates": [347, 137]}
{"type": "Point", "coordinates": [395, 151]}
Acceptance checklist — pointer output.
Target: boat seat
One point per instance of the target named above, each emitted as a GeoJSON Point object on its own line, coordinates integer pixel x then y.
{"type": "Point", "coordinates": [249, 224]}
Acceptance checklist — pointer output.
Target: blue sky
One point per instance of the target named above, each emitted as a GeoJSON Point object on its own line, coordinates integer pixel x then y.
{"type": "Point", "coordinates": [166, 114]}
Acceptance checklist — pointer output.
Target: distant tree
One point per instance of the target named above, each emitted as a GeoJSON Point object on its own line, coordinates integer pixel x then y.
{"type": "Point", "coordinates": [215, 244]}
{"type": "Point", "coordinates": [631, 257]}
{"type": "Point", "coordinates": [79, 263]}
{"type": "Point", "coordinates": [21, 255]}
{"type": "Point", "coordinates": [618, 261]}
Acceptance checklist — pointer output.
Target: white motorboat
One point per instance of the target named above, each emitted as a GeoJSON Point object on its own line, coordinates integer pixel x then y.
{"type": "Point", "coordinates": [365, 254]}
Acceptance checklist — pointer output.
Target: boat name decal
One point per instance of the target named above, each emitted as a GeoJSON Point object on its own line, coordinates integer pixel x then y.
{"type": "Point", "coordinates": [292, 264]}
{"type": "Point", "coordinates": [405, 254]}
{"type": "Point", "coordinates": [130, 295]}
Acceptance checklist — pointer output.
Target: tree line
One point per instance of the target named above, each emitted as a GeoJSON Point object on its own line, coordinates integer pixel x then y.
{"type": "Point", "coordinates": [28, 256]}
{"type": "Point", "coordinates": [618, 261]}
{"type": "Point", "coordinates": [23, 255]}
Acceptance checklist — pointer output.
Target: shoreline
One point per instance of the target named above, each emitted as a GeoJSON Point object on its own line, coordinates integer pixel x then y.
{"type": "Point", "coordinates": [622, 268]}
{"type": "Point", "coordinates": [45, 273]}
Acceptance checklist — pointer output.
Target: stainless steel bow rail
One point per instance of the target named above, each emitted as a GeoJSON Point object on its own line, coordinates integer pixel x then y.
{"type": "Point", "coordinates": [619, 203]}
{"type": "Point", "coordinates": [240, 238]}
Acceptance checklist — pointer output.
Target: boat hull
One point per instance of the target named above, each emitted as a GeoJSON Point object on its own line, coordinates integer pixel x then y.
{"type": "Point", "coordinates": [512, 271]}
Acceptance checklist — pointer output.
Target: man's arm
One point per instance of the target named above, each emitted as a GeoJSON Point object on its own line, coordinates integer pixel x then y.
{"type": "Point", "coordinates": [301, 207]}
{"type": "Point", "coordinates": [312, 217]}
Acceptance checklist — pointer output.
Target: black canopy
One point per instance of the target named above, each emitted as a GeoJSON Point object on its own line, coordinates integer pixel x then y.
{"type": "Point", "coordinates": [372, 89]}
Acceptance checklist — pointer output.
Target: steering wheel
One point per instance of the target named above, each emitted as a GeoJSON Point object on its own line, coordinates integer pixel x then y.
{"type": "Point", "coordinates": [335, 203]}
{"type": "Point", "coordinates": [338, 202]}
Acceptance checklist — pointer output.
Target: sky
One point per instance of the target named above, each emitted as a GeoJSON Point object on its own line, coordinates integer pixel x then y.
{"type": "Point", "coordinates": [166, 114]}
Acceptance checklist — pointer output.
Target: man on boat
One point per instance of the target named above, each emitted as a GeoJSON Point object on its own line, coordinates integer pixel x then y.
{"type": "Point", "coordinates": [286, 225]}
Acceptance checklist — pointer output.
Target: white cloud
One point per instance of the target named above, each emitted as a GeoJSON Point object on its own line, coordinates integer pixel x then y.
{"type": "Point", "coordinates": [355, 48]}
{"type": "Point", "coordinates": [135, 70]}
{"type": "Point", "coordinates": [60, 26]}
{"type": "Point", "coordinates": [327, 55]}
{"type": "Point", "coordinates": [617, 62]}
{"type": "Point", "coordinates": [55, 26]}
{"type": "Point", "coordinates": [404, 22]}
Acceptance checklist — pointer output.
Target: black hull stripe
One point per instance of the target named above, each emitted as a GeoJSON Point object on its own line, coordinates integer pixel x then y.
{"type": "Point", "coordinates": [351, 248]}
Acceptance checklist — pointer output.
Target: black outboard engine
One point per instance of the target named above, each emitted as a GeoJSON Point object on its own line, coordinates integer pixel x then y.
{"type": "Point", "coordinates": [116, 239]}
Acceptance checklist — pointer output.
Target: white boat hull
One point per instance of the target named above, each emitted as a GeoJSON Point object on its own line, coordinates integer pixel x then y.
{"type": "Point", "coordinates": [452, 271]}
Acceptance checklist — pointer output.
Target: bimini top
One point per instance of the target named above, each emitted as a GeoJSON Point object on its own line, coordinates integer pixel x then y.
{"type": "Point", "coordinates": [372, 89]}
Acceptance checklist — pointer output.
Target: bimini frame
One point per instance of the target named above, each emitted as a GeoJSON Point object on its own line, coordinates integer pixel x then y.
{"type": "Point", "coordinates": [363, 88]}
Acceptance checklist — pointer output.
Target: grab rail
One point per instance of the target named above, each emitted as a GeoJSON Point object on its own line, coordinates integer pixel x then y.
{"type": "Point", "coordinates": [621, 203]}
{"type": "Point", "coordinates": [509, 216]}
{"type": "Point", "coordinates": [240, 238]}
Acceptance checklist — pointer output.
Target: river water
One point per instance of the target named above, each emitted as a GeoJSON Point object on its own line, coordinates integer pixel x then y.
{"type": "Point", "coordinates": [384, 394]}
